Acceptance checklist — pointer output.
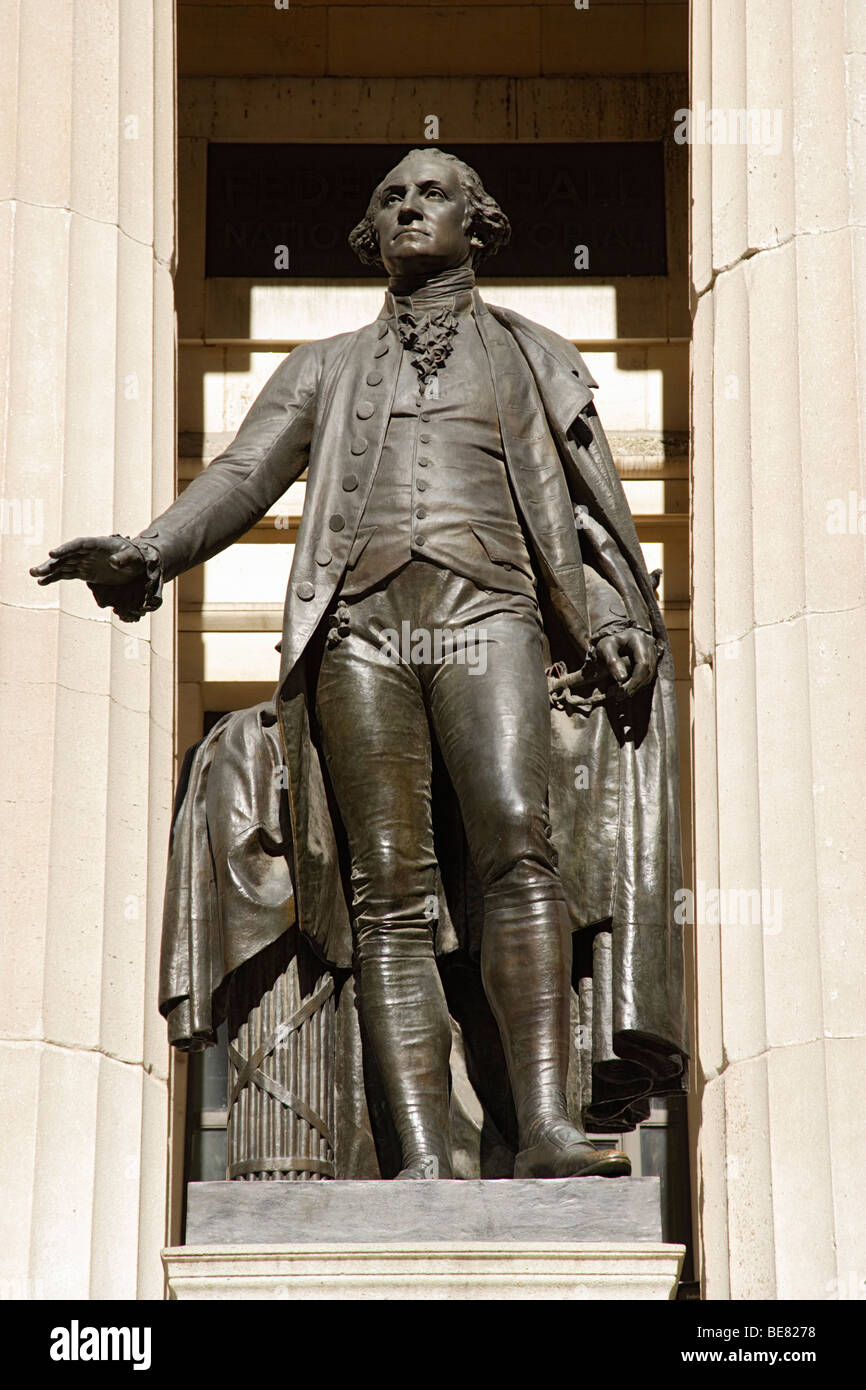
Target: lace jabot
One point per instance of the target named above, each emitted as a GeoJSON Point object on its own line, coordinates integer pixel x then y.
{"type": "Point", "coordinates": [425, 316]}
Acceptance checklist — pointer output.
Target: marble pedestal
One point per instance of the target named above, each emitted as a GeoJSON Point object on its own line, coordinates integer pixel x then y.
{"type": "Point", "coordinates": [594, 1238]}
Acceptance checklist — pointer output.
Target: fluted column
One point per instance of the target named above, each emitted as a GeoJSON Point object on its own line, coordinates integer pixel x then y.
{"type": "Point", "coordinates": [87, 441]}
{"type": "Point", "coordinates": [779, 286]}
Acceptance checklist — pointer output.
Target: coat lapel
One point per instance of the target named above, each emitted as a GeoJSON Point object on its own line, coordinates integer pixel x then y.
{"type": "Point", "coordinates": [536, 475]}
{"type": "Point", "coordinates": [564, 385]}
{"type": "Point", "coordinates": [559, 369]}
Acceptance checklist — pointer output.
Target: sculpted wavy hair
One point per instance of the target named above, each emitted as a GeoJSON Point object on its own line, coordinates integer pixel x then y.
{"type": "Point", "coordinates": [489, 224]}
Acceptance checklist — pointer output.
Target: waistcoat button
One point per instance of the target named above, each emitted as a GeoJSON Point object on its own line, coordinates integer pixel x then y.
{"type": "Point", "coordinates": [420, 540]}
{"type": "Point", "coordinates": [421, 513]}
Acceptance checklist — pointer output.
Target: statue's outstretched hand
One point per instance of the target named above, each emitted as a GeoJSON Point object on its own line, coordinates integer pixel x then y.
{"type": "Point", "coordinates": [630, 651]}
{"type": "Point", "coordinates": [96, 559]}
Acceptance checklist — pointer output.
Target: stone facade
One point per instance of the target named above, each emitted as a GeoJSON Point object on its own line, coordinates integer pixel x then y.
{"type": "Point", "coordinates": [778, 400]}
{"type": "Point", "coordinates": [87, 705]}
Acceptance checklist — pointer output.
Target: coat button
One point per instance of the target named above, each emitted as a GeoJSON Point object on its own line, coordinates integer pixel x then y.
{"type": "Point", "coordinates": [323, 555]}
{"type": "Point", "coordinates": [306, 592]}
{"type": "Point", "coordinates": [374, 378]}
{"type": "Point", "coordinates": [350, 482]}
{"type": "Point", "coordinates": [336, 522]}
{"type": "Point", "coordinates": [359, 446]}
{"type": "Point", "coordinates": [365, 410]}
{"type": "Point", "coordinates": [381, 351]}
{"type": "Point", "coordinates": [383, 329]}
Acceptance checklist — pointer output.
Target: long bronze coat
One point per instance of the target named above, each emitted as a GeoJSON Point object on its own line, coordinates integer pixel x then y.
{"type": "Point", "coordinates": [614, 773]}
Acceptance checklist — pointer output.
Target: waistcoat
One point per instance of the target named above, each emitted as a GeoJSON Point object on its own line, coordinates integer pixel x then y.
{"type": "Point", "coordinates": [441, 490]}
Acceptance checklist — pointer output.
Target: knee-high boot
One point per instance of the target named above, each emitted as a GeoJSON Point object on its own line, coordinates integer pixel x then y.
{"type": "Point", "coordinates": [406, 1021]}
{"type": "Point", "coordinates": [526, 968]}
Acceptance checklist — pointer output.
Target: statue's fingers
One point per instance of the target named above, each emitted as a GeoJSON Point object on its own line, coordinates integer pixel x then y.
{"type": "Point", "coordinates": [45, 568]}
{"type": "Point", "coordinates": [74, 567]}
{"type": "Point", "coordinates": [54, 562]}
{"type": "Point", "coordinates": [640, 676]}
{"type": "Point", "coordinates": [52, 570]}
{"type": "Point", "coordinates": [67, 548]}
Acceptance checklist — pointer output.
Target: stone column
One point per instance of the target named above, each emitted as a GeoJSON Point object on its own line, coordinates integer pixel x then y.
{"type": "Point", "coordinates": [87, 439]}
{"type": "Point", "coordinates": [779, 289]}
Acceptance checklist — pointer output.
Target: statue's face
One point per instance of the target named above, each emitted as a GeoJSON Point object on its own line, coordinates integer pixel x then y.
{"type": "Point", "coordinates": [423, 218]}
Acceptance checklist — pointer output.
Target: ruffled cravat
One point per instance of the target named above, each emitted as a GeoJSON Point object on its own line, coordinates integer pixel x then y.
{"type": "Point", "coordinates": [428, 338]}
{"type": "Point", "coordinates": [428, 323]}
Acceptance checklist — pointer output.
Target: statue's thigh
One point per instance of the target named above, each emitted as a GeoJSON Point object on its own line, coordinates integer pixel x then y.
{"type": "Point", "coordinates": [492, 723]}
{"type": "Point", "coordinates": [376, 741]}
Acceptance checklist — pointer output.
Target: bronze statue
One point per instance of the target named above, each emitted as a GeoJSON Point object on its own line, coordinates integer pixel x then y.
{"type": "Point", "coordinates": [467, 593]}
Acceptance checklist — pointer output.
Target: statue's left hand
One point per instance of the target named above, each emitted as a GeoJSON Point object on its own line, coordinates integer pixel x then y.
{"type": "Point", "coordinates": [630, 651]}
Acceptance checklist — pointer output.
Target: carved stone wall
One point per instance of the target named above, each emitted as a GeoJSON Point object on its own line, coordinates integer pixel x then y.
{"type": "Point", "coordinates": [87, 440]}
{"type": "Point", "coordinates": [779, 286]}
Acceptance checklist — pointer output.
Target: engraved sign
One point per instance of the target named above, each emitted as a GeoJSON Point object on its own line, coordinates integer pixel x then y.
{"type": "Point", "coordinates": [577, 211]}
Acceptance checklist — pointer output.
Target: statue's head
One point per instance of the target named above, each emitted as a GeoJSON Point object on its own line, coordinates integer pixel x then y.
{"type": "Point", "coordinates": [431, 212]}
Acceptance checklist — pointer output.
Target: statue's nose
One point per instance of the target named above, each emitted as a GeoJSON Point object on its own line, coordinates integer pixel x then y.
{"type": "Point", "coordinates": [409, 209]}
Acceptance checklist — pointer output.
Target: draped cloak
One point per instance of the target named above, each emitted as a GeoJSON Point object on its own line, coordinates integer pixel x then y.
{"type": "Point", "coordinates": [257, 844]}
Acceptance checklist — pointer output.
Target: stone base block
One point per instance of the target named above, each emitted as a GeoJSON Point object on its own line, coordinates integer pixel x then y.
{"type": "Point", "coordinates": [612, 1210]}
{"type": "Point", "coordinates": [480, 1270]}
{"type": "Point", "coordinates": [593, 1238]}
